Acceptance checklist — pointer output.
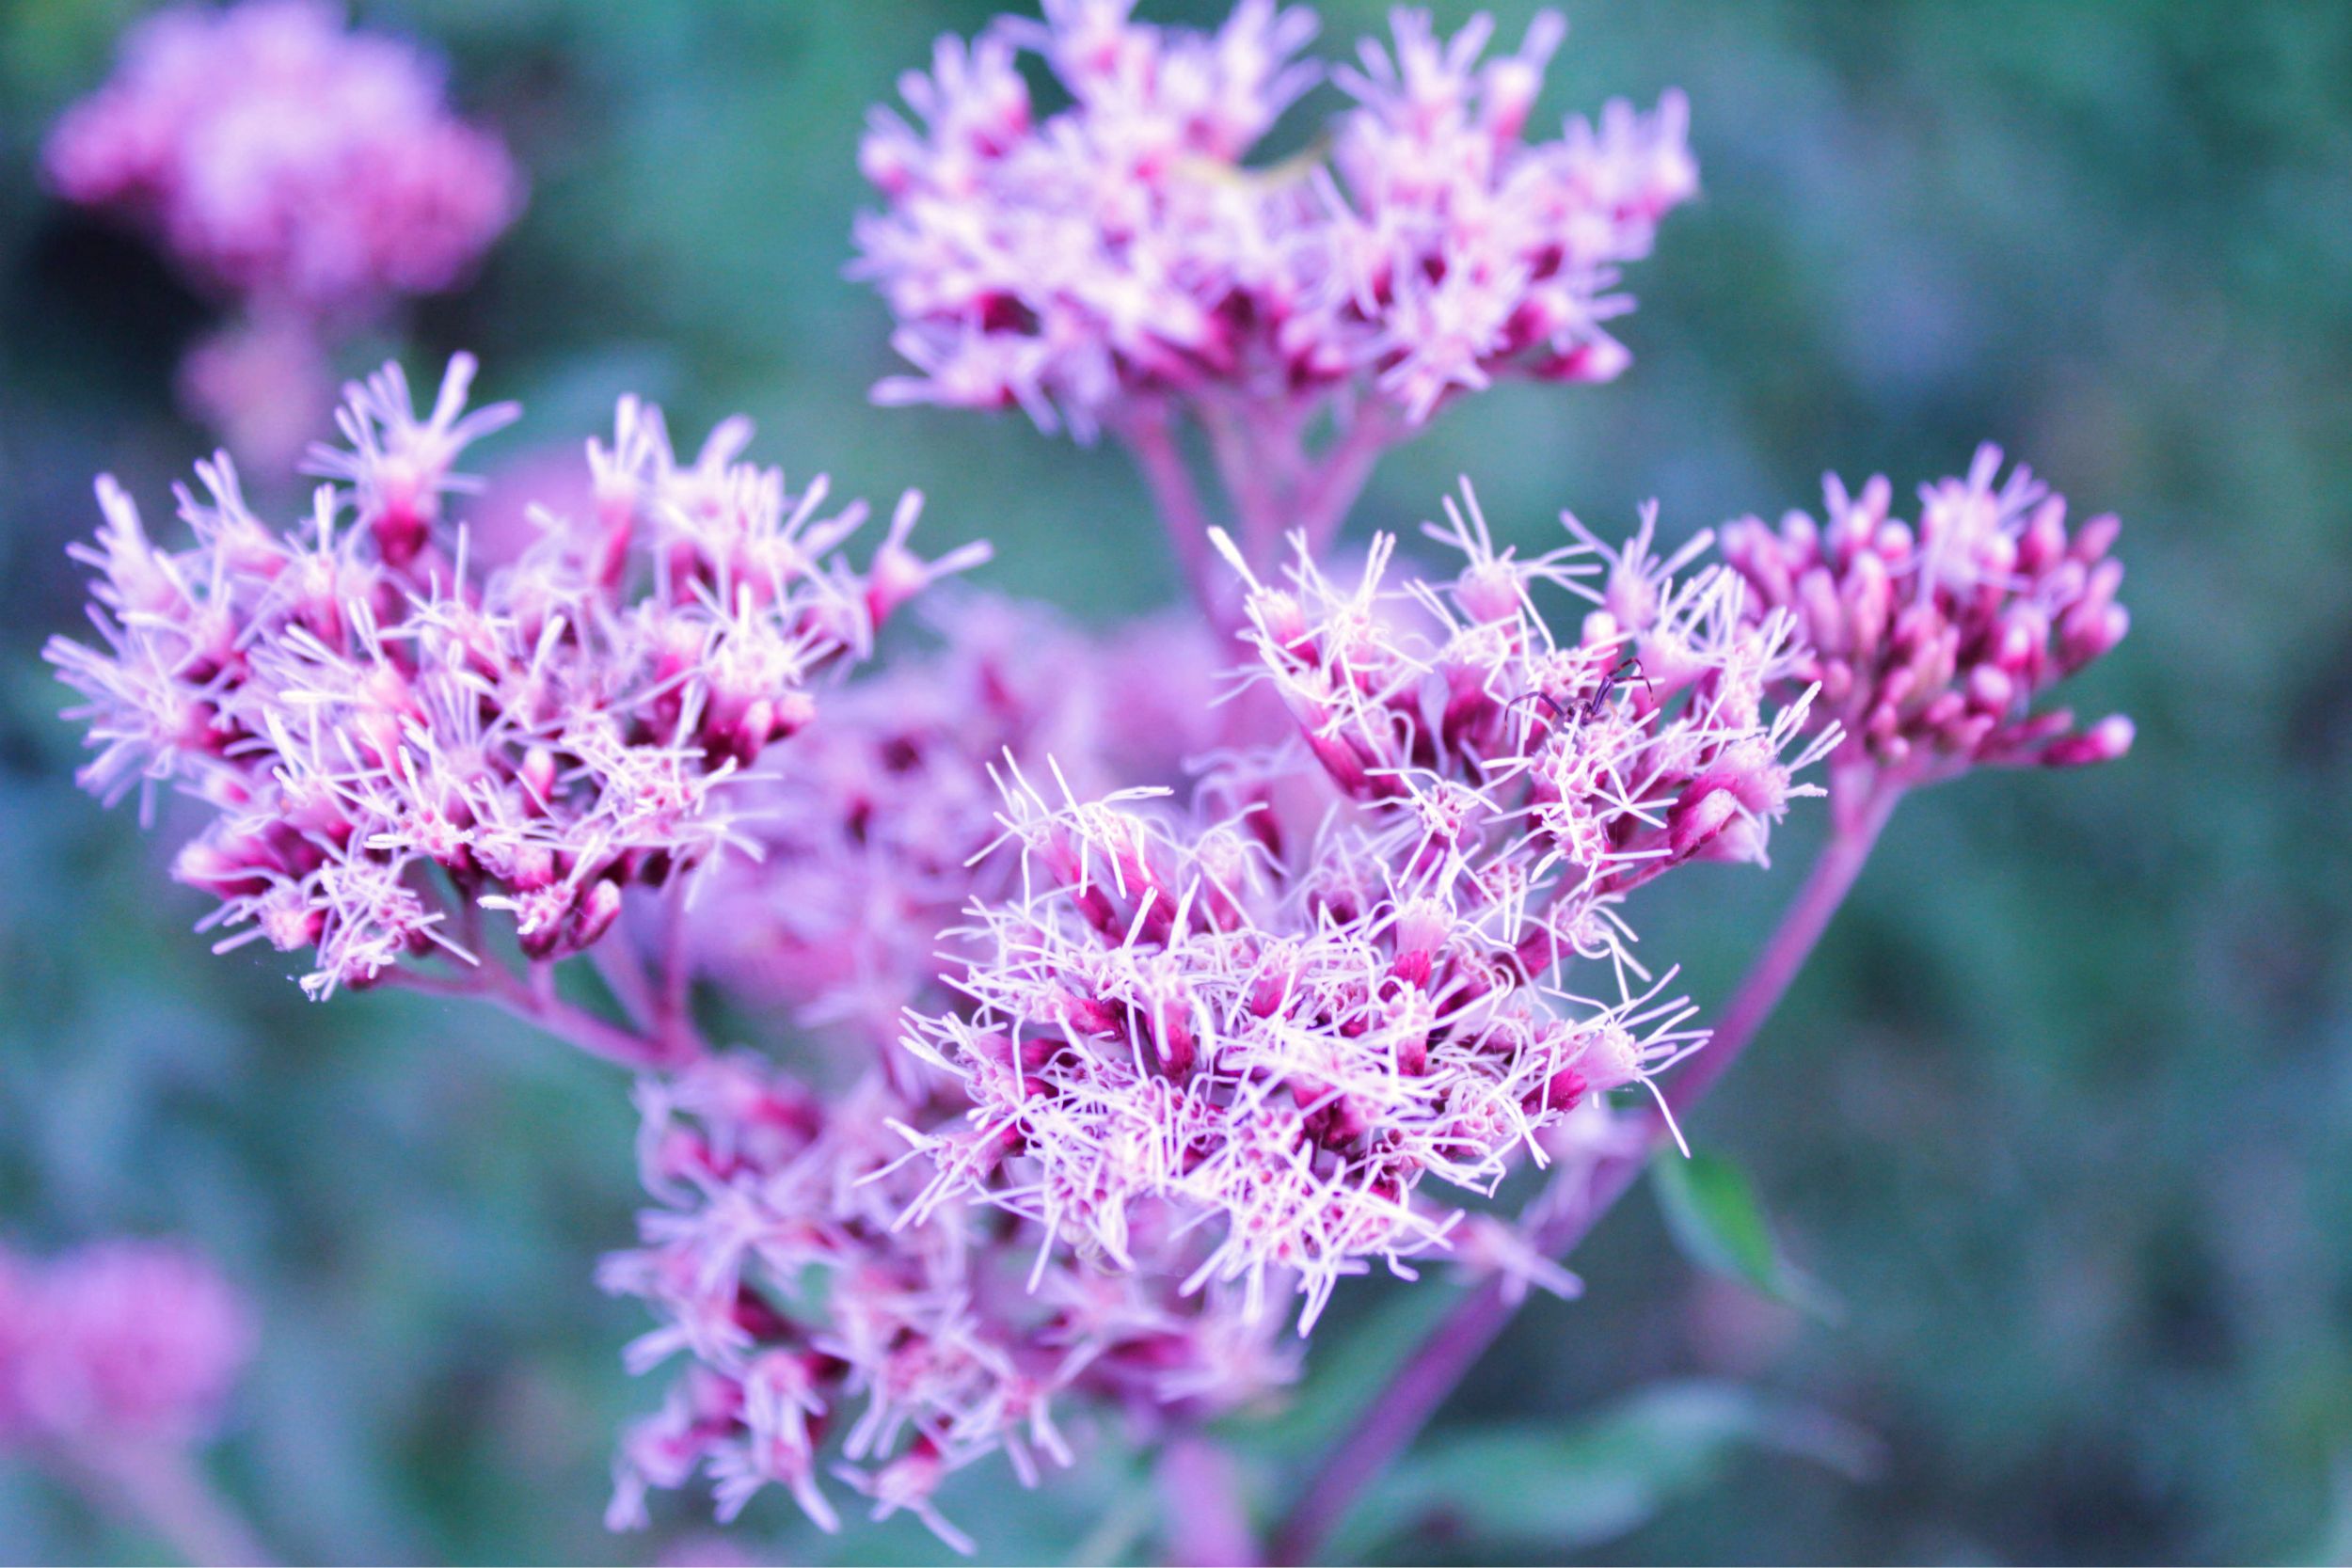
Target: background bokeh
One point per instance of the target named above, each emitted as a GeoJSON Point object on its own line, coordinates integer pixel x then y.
{"type": "Point", "coordinates": [2061, 1117]}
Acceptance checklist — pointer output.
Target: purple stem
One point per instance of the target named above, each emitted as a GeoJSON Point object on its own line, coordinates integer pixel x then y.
{"type": "Point", "coordinates": [1421, 1384]}
{"type": "Point", "coordinates": [1278, 489]}
{"type": "Point", "coordinates": [1340, 471]}
{"type": "Point", "coordinates": [674, 1012]}
{"type": "Point", "coordinates": [625, 976]}
{"type": "Point", "coordinates": [539, 1004]}
{"type": "Point", "coordinates": [1206, 1526]}
{"type": "Point", "coordinates": [1148, 436]}
{"type": "Point", "coordinates": [1259, 459]}
{"type": "Point", "coordinates": [667, 1044]}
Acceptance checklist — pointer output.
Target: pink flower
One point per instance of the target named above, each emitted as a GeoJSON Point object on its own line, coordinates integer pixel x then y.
{"type": "Point", "coordinates": [315, 176]}
{"type": "Point", "coordinates": [1125, 250]}
{"type": "Point", "coordinates": [1930, 643]}
{"type": "Point", "coordinates": [393, 743]}
{"type": "Point", "coordinates": [827, 1332]}
{"type": "Point", "coordinates": [1298, 1020]}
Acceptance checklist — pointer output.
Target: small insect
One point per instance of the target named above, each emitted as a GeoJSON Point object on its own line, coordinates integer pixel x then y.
{"type": "Point", "coordinates": [1261, 179]}
{"type": "Point", "coordinates": [1588, 708]}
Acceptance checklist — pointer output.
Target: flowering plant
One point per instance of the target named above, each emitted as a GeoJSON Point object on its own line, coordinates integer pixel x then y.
{"type": "Point", "coordinates": [1151, 984]}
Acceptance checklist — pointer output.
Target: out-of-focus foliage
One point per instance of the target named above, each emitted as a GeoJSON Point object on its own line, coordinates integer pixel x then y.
{"type": "Point", "coordinates": [1715, 1216]}
{"type": "Point", "coordinates": [2061, 1116]}
{"type": "Point", "coordinates": [1553, 1485]}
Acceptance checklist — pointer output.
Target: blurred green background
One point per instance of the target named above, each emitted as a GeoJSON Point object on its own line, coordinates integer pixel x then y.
{"type": "Point", "coordinates": [2059, 1115]}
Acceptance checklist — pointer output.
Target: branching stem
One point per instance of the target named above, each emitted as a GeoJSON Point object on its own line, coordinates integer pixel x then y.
{"type": "Point", "coordinates": [536, 1002]}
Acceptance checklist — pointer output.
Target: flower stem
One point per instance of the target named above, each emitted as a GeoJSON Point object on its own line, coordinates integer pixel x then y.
{"type": "Point", "coordinates": [1340, 471]}
{"type": "Point", "coordinates": [674, 1012]}
{"type": "Point", "coordinates": [1260, 462]}
{"type": "Point", "coordinates": [1203, 1520]}
{"type": "Point", "coordinates": [538, 1003]}
{"type": "Point", "coordinates": [1768, 977]}
{"type": "Point", "coordinates": [163, 1488]}
{"type": "Point", "coordinates": [1279, 488]}
{"type": "Point", "coordinates": [1150, 437]}
{"type": "Point", "coordinates": [624, 977]}
{"type": "Point", "coordinates": [1448, 1351]}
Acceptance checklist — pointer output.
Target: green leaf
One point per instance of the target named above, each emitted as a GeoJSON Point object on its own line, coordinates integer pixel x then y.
{"type": "Point", "coordinates": [1714, 1215]}
{"type": "Point", "coordinates": [1566, 1488]}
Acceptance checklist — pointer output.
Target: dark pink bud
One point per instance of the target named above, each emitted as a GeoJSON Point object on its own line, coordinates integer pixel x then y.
{"type": "Point", "coordinates": [2044, 542]}
{"type": "Point", "coordinates": [402, 528]}
{"type": "Point", "coordinates": [598, 908]}
{"type": "Point", "coordinates": [1564, 1089]}
{"type": "Point", "coordinates": [1991, 689]}
{"type": "Point", "coordinates": [1602, 359]}
{"type": "Point", "coordinates": [1825, 621]}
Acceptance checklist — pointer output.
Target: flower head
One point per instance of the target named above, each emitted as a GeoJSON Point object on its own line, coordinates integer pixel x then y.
{"type": "Point", "coordinates": [1932, 642]}
{"type": "Point", "coordinates": [391, 742]}
{"type": "Point", "coordinates": [117, 1342]}
{"type": "Point", "coordinates": [825, 1333]}
{"type": "Point", "coordinates": [1295, 1028]}
{"type": "Point", "coordinates": [1136, 245]}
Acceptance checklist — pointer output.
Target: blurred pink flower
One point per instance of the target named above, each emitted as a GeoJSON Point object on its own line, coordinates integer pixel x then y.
{"type": "Point", "coordinates": [293, 162]}
{"type": "Point", "coordinates": [313, 176]}
{"type": "Point", "coordinates": [121, 1341]}
{"type": "Point", "coordinates": [866, 835]}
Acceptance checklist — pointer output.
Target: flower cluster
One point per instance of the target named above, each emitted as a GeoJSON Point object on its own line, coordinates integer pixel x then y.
{"type": "Point", "coordinates": [1930, 643]}
{"type": "Point", "coordinates": [818, 1322]}
{"type": "Point", "coordinates": [1125, 250]}
{"type": "Point", "coordinates": [866, 835]}
{"type": "Point", "coordinates": [780, 1257]}
{"type": "Point", "coordinates": [393, 743]}
{"type": "Point", "coordinates": [1286, 1020]}
{"type": "Point", "coordinates": [116, 1343]}
{"type": "Point", "coordinates": [288, 159]}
